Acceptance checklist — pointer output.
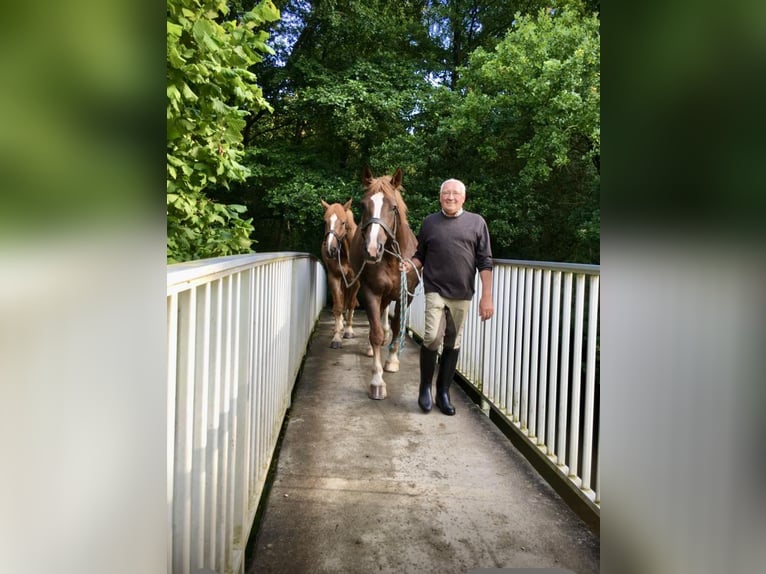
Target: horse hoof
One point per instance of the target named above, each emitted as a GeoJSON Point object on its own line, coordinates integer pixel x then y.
{"type": "Point", "coordinates": [377, 392]}
{"type": "Point", "coordinates": [335, 345]}
{"type": "Point", "coordinates": [391, 367]}
{"type": "Point", "coordinates": [348, 335]}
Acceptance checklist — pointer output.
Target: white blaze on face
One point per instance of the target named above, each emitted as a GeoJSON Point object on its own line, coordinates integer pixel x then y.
{"type": "Point", "coordinates": [331, 239]}
{"type": "Point", "coordinates": [372, 238]}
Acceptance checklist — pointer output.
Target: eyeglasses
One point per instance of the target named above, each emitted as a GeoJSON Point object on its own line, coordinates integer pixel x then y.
{"type": "Point", "coordinates": [451, 193]}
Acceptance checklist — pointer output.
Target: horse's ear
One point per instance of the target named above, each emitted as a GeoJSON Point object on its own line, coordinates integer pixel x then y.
{"type": "Point", "coordinates": [396, 179]}
{"type": "Point", "coordinates": [325, 204]}
{"type": "Point", "coordinates": [347, 205]}
{"type": "Point", "coordinates": [367, 175]}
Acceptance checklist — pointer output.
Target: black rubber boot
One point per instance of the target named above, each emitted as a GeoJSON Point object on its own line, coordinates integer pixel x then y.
{"type": "Point", "coordinates": [427, 368]}
{"type": "Point", "coordinates": [447, 366]}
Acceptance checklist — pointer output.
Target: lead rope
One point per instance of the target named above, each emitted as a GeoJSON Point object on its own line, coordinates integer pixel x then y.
{"type": "Point", "coordinates": [343, 274]}
{"type": "Point", "coordinates": [404, 293]}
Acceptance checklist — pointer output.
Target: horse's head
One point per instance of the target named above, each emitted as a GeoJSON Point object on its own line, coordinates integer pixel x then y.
{"type": "Point", "coordinates": [381, 213]}
{"type": "Point", "coordinates": [338, 223]}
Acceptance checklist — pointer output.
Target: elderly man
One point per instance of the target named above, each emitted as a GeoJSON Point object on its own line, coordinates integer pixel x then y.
{"type": "Point", "coordinates": [452, 245]}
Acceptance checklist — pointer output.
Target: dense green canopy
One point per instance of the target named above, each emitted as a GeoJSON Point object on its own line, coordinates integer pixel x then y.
{"type": "Point", "coordinates": [503, 95]}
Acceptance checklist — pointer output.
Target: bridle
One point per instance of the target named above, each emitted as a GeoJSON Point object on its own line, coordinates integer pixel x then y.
{"type": "Point", "coordinates": [338, 237]}
{"type": "Point", "coordinates": [391, 234]}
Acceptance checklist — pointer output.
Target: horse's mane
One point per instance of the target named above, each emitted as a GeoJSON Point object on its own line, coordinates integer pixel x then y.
{"type": "Point", "coordinates": [350, 222]}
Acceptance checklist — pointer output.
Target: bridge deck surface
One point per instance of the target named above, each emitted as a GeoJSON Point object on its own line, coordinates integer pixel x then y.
{"type": "Point", "coordinates": [365, 486]}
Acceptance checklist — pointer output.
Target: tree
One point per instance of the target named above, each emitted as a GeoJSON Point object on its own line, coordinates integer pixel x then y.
{"type": "Point", "coordinates": [537, 100]}
{"type": "Point", "coordinates": [356, 82]}
{"type": "Point", "coordinates": [210, 91]}
{"type": "Point", "coordinates": [522, 129]}
{"type": "Point", "coordinates": [345, 85]}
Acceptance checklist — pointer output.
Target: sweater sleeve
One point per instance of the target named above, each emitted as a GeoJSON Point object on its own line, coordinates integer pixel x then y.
{"type": "Point", "coordinates": [484, 249]}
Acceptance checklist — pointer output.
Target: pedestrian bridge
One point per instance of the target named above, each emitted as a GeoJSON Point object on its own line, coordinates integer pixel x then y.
{"type": "Point", "coordinates": [355, 485]}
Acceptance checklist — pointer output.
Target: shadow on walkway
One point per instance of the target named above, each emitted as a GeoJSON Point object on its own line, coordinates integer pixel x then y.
{"type": "Point", "coordinates": [365, 486]}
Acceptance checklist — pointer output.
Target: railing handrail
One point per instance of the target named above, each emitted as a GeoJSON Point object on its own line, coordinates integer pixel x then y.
{"type": "Point", "coordinates": [181, 275]}
{"type": "Point", "coordinates": [587, 268]}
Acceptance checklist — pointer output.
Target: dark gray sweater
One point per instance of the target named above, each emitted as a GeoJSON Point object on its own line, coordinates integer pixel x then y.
{"type": "Point", "coordinates": [451, 249]}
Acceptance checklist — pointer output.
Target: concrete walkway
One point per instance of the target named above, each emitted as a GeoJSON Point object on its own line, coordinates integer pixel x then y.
{"type": "Point", "coordinates": [365, 486]}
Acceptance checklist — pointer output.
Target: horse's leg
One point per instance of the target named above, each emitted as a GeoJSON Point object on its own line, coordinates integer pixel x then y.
{"type": "Point", "coordinates": [351, 303]}
{"type": "Point", "coordinates": [392, 363]}
{"type": "Point", "coordinates": [337, 310]}
{"type": "Point", "coordinates": [386, 322]}
{"type": "Point", "coordinates": [377, 384]}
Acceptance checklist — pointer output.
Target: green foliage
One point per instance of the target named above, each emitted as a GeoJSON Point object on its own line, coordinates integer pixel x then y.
{"type": "Point", "coordinates": [512, 110]}
{"type": "Point", "coordinates": [536, 102]}
{"type": "Point", "coordinates": [522, 129]}
{"type": "Point", "coordinates": [547, 72]}
{"type": "Point", "coordinates": [210, 91]}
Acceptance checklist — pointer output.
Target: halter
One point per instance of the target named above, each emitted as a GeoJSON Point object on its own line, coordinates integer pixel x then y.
{"type": "Point", "coordinates": [386, 228]}
{"type": "Point", "coordinates": [340, 238]}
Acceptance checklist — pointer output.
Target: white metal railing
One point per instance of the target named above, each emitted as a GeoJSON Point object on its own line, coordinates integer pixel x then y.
{"type": "Point", "coordinates": [238, 329]}
{"type": "Point", "coordinates": [536, 361]}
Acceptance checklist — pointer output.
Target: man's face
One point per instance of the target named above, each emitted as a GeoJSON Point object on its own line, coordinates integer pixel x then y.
{"type": "Point", "coordinates": [451, 198]}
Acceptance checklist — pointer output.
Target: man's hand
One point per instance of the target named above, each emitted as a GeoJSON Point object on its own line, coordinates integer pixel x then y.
{"type": "Point", "coordinates": [486, 308]}
{"type": "Point", "coordinates": [407, 265]}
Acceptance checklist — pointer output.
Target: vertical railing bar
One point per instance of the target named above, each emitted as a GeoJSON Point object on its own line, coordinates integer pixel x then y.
{"type": "Point", "coordinates": [481, 341]}
{"type": "Point", "coordinates": [576, 399]}
{"type": "Point", "coordinates": [279, 365]}
{"type": "Point", "coordinates": [231, 405]}
{"type": "Point", "coordinates": [597, 498]}
{"type": "Point", "coordinates": [487, 342]}
{"type": "Point", "coordinates": [517, 351]}
{"type": "Point", "coordinates": [554, 370]}
{"type": "Point", "coordinates": [214, 429]}
{"type": "Point", "coordinates": [274, 302]}
{"type": "Point", "coordinates": [172, 343]}
{"type": "Point", "coordinates": [223, 445]}
{"type": "Point", "coordinates": [503, 301]}
{"type": "Point", "coordinates": [492, 384]}
{"type": "Point", "coordinates": [243, 406]}
{"type": "Point", "coordinates": [184, 433]}
{"type": "Point", "coordinates": [510, 404]}
{"type": "Point", "coordinates": [286, 365]}
{"type": "Point", "coordinates": [590, 382]}
{"type": "Point", "coordinates": [260, 381]}
{"type": "Point", "coordinates": [564, 386]}
{"type": "Point", "coordinates": [534, 383]}
{"type": "Point", "coordinates": [268, 374]}
{"type": "Point", "coordinates": [201, 390]}
{"type": "Point", "coordinates": [525, 359]}
{"type": "Point", "coordinates": [544, 334]}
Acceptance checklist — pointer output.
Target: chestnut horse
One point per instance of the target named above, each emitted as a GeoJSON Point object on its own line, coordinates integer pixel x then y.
{"type": "Point", "coordinates": [339, 230]}
{"type": "Point", "coordinates": [382, 241]}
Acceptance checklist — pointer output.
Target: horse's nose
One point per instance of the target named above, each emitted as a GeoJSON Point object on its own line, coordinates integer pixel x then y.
{"type": "Point", "coordinates": [332, 250]}
{"type": "Point", "coordinates": [375, 255]}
